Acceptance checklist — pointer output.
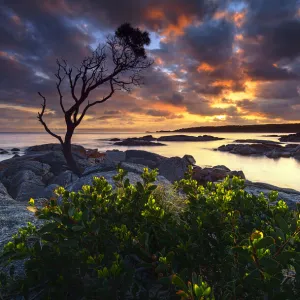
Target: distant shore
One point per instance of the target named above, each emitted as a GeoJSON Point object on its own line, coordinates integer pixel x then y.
{"type": "Point", "coordinates": [264, 128]}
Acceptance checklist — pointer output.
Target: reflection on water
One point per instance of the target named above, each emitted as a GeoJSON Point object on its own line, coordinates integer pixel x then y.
{"type": "Point", "coordinates": [283, 172]}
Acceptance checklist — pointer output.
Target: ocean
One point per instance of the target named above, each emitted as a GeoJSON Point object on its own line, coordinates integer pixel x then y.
{"type": "Point", "coordinates": [282, 172]}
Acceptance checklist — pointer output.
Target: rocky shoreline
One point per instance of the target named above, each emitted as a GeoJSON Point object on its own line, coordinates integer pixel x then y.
{"type": "Point", "coordinates": [43, 168]}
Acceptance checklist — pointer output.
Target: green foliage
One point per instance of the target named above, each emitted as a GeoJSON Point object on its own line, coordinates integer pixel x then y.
{"type": "Point", "coordinates": [217, 242]}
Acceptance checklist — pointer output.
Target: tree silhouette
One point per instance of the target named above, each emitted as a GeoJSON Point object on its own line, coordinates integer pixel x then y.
{"type": "Point", "coordinates": [117, 63]}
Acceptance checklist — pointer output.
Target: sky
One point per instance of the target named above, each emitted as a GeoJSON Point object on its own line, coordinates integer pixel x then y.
{"type": "Point", "coordinates": [216, 62]}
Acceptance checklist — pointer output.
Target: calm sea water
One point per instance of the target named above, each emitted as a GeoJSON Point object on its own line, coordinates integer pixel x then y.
{"type": "Point", "coordinates": [283, 172]}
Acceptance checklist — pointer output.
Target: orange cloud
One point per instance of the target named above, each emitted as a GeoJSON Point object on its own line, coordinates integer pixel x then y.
{"type": "Point", "coordinates": [238, 18]}
{"type": "Point", "coordinates": [205, 68]}
{"type": "Point", "coordinates": [174, 30]}
{"type": "Point", "coordinates": [155, 14]}
{"type": "Point", "coordinates": [223, 83]}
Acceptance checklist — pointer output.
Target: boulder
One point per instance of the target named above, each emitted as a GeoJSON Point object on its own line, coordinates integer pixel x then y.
{"type": "Point", "coordinates": [115, 156]}
{"type": "Point", "coordinates": [145, 158]}
{"type": "Point", "coordinates": [115, 140]}
{"type": "Point", "coordinates": [105, 165]}
{"type": "Point", "coordinates": [290, 138]}
{"type": "Point", "coordinates": [88, 179]}
{"type": "Point", "coordinates": [94, 153]}
{"type": "Point", "coordinates": [190, 159]}
{"type": "Point", "coordinates": [48, 192]}
{"type": "Point", "coordinates": [39, 169]}
{"type": "Point", "coordinates": [254, 141]}
{"type": "Point", "coordinates": [135, 168]}
{"type": "Point", "coordinates": [148, 138]}
{"type": "Point", "coordinates": [15, 149]}
{"type": "Point", "coordinates": [213, 174]}
{"type": "Point", "coordinates": [65, 178]}
{"type": "Point", "coordinates": [4, 152]}
{"type": "Point", "coordinates": [77, 149]}
{"type": "Point", "coordinates": [173, 168]}
{"type": "Point", "coordinates": [5, 198]}
{"type": "Point", "coordinates": [25, 185]}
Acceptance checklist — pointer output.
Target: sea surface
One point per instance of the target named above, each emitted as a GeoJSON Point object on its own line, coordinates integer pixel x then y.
{"type": "Point", "coordinates": [282, 172]}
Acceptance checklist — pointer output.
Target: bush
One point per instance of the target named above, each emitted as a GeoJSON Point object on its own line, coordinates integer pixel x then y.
{"type": "Point", "coordinates": [218, 242]}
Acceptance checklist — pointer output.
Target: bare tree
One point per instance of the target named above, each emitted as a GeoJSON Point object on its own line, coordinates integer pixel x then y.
{"type": "Point", "coordinates": [117, 64]}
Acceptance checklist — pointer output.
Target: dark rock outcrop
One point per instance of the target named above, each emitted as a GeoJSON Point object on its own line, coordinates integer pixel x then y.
{"type": "Point", "coordinates": [268, 150]}
{"type": "Point", "coordinates": [290, 138]}
{"type": "Point", "coordinates": [203, 175]}
{"type": "Point", "coordinates": [137, 142]}
{"type": "Point", "coordinates": [15, 150]}
{"type": "Point", "coordinates": [188, 138]}
{"type": "Point", "coordinates": [253, 141]}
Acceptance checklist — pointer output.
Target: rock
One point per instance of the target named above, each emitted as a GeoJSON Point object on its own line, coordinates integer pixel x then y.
{"type": "Point", "coordinates": [133, 178]}
{"type": "Point", "coordinates": [5, 198]}
{"type": "Point", "coordinates": [15, 149]}
{"type": "Point", "coordinates": [4, 152]}
{"type": "Point", "coordinates": [148, 138]}
{"type": "Point", "coordinates": [145, 158]}
{"type": "Point", "coordinates": [190, 159]}
{"type": "Point", "coordinates": [77, 149]}
{"type": "Point", "coordinates": [65, 178]}
{"type": "Point", "coordinates": [188, 138]}
{"type": "Point", "coordinates": [39, 169]}
{"type": "Point", "coordinates": [88, 179]}
{"type": "Point", "coordinates": [135, 168]}
{"type": "Point", "coordinates": [291, 197]}
{"type": "Point", "coordinates": [137, 143]}
{"type": "Point", "coordinates": [115, 140]}
{"type": "Point", "coordinates": [173, 168]}
{"type": "Point", "coordinates": [115, 155]}
{"type": "Point", "coordinates": [57, 161]}
{"type": "Point", "coordinates": [290, 138]}
{"type": "Point", "coordinates": [16, 155]}
{"type": "Point", "coordinates": [48, 192]}
{"type": "Point", "coordinates": [25, 185]}
{"type": "Point", "coordinates": [213, 174]}
{"type": "Point", "coordinates": [94, 153]}
{"type": "Point", "coordinates": [256, 141]}
{"type": "Point", "coordinates": [105, 165]}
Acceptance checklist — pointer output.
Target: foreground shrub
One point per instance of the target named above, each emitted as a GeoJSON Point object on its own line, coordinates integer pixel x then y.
{"type": "Point", "coordinates": [132, 242]}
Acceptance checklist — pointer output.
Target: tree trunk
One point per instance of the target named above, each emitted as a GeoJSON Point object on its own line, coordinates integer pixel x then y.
{"type": "Point", "coordinates": [67, 150]}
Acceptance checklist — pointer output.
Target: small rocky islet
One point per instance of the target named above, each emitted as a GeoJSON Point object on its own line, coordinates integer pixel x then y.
{"type": "Point", "coordinates": [149, 140]}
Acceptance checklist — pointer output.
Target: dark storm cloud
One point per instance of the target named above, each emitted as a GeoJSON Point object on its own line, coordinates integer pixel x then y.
{"type": "Point", "coordinates": [210, 42]}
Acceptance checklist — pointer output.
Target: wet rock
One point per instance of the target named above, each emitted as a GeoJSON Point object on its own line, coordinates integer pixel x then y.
{"type": "Point", "coordinates": [190, 159]}
{"type": "Point", "coordinates": [115, 140]}
{"type": "Point", "coordinates": [290, 138]}
{"type": "Point", "coordinates": [4, 152]}
{"type": "Point", "coordinates": [65, 178]}
{"type": "Point", "coordinates": [15, 149]}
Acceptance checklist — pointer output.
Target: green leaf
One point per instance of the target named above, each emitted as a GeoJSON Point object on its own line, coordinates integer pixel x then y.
{"type": "Point", "coordinates": [165, 280]}
{"type": "Point", "coordinates": [48, 227]}
{"type": "Point", "coordinates": [207, 291]}
{"type": "Point", "coordinates": [282, 224]}
{"type": "Point", "coordinates": [71, 211]}
{"type": "Point", "coordinates": [265, 242]}
{"type": "Point", "coordinates": [179, 283]}
{"type": "Point", "coordinates": [269, 263]}
{"type": "Point", "coordinates": [285, 256]}
{"type": "Point", "coordinates": [197, 290]}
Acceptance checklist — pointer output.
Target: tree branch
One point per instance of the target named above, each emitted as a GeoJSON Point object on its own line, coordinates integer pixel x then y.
{"type": "Point", "coordinates": [40, 118]}
{"type": "Point", "coordinates": [96, 102]}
